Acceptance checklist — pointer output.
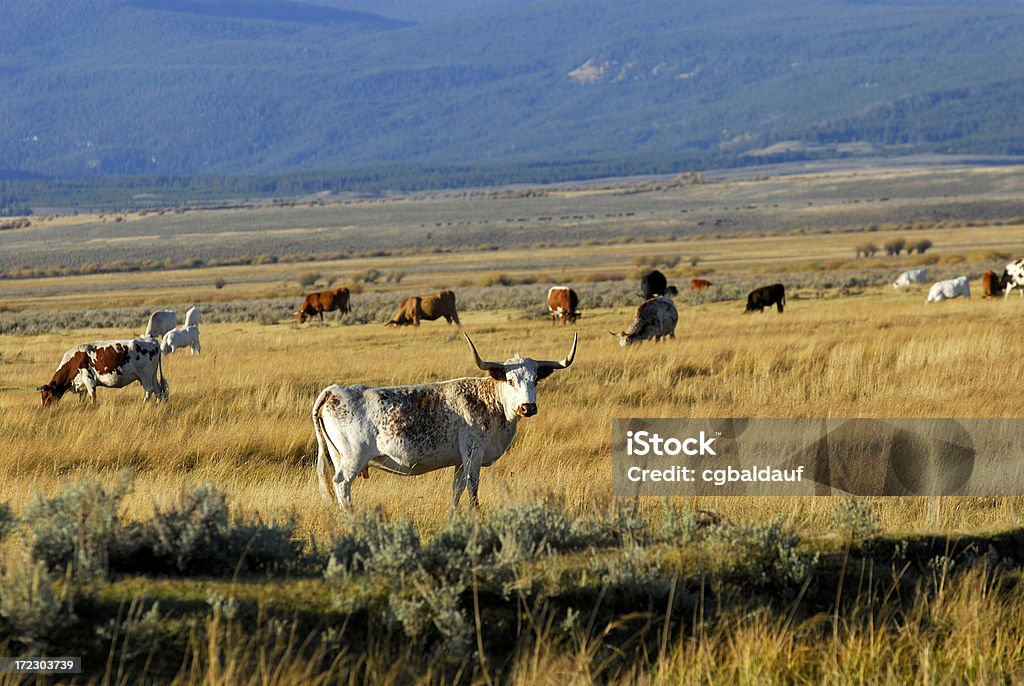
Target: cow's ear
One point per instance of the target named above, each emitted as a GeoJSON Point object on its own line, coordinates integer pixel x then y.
{"type": "Point", "coordinates": [496, 374]}
{"type": "Point", "coordinates": [544, 372]}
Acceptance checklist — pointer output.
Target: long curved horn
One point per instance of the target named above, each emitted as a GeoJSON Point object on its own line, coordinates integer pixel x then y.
{"type": "Point", "coordinates": [561, 364]}
{"type": "Point", "coordinates": [481, 364]}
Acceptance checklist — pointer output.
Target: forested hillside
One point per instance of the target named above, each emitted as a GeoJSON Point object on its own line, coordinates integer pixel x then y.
{"type": "Point", "coordinates": [271, 87]}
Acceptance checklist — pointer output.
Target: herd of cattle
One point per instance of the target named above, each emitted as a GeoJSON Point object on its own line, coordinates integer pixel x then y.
{"type": "Point", "coordinates": [116, 364]}
{"type": "Point", "coordinates": [463, 423]}
{"type": "Point", "coordinates": [992, 284]}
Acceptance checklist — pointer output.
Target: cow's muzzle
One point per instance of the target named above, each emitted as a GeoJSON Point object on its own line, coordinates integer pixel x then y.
{"type": "Point", "coordinates": [527, 409]}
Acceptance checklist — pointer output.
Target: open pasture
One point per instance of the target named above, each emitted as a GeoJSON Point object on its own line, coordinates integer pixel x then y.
{"type": "Point", "coordinates": [575, 586]}
{"type": "Point", "coordinates": [847, 346]}
{"type": "Point", "coordinates": [239, 413]}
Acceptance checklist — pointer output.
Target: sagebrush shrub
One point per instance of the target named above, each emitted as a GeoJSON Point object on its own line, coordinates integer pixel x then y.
{"type": "Point", "coordinates": [763, 555]}
{"type": "Point", "coordinates": [32, 610]}
{"type": "Point", "coordinates": [76, 527]}
{"type": "Point", "coordinates": [198, 535]}
{"type": "Point", "coordinates": [374, 545]}
{"type": "Point", "coordinates": [8, 522]}
{"type": "Point", "coordinates": [856, 516]}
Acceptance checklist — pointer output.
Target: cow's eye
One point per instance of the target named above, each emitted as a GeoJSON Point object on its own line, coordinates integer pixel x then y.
{"type": "Point", "coordinates": [512, 382]}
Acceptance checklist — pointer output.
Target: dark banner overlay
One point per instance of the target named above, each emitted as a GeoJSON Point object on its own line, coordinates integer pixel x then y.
{"type": "Point", "coordinates": [983, 457]}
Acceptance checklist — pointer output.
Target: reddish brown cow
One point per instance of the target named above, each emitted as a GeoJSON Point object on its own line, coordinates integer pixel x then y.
{"type": "Point", "coordinates": [992, 285]}
{"type": "Point", "coordinates": [113, 364]}
{"type": "Point", "coordinates": [428, 307]}
{"type": "Point", "coordinates": [323, 301]}
{"type": "Point", "coordinates": [699, 284]}
{"type": "Point", "coordinates": [562, 304]}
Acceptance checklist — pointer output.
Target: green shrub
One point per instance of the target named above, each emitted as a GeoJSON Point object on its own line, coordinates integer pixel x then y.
{"type": "Point", "coordinates": [528, 530]}
{"type": "Point", "coordinates": [614, 528]}
{"type": "Point", "coordinates": [426, 604]}
{"type": "Point", "coordinates": [678, 526]}
{"type": "Point", "coordinates": [856, 516]}
{"type": "Point", "coordinates": [198, 535]}
{"type": "Point", "coordinates": [373, 545]}
{"type": "Point", "coordinates": [763, 555]}
{"type": "Point", "coordinates": [76, 527]}
{"type": "Point", "coordinates": [8, 522]}
{"type": "Point", "coordinates": [32, 610]}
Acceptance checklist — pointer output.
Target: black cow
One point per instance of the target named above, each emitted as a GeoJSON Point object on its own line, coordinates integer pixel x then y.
{"type": "Point", "coordinates": [766, 296]}
{"type": "Point", "coordinates": [654, 284]}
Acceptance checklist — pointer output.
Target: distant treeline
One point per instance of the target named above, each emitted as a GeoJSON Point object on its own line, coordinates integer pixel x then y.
{"type": "Point", "coordinates": [110, 193]}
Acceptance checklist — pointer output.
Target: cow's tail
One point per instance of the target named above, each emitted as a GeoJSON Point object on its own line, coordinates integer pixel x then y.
{"type": "Point", "coordinates": [323, 461]}
{"type": "Point", "coordinates": [164, 387]}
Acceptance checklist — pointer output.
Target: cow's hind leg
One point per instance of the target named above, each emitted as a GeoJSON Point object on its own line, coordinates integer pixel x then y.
{"type": "Point", "coordinates": [346, 465]}
{"type": "Point", "coordinates": [343, 491]}
{"type": "Point", "coordinates": [458, 486]}
{"type": "Point", "coordinates": [90, 387]}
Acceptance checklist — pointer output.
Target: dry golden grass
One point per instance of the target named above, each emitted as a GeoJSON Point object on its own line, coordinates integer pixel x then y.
{"type": "Point", "coordinates": [239, 413]}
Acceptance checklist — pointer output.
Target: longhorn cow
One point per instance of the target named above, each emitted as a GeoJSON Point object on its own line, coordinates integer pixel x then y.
{"type": "Point", "coordinates": [464, 423]}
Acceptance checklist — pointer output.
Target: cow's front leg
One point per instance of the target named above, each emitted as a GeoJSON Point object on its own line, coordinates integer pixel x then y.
{"type": "Point", "coordinates": [472, 470]}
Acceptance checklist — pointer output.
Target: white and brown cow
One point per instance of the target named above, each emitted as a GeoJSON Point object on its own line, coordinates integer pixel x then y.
{"type": "Point", "coordinates": [409, 430]}
{"type": "Point", "coordinates": [563, 304]}
{"type": "Point", "coordinates": [655, 318]}
{"type": "Point", "coordinates": [113, 364]}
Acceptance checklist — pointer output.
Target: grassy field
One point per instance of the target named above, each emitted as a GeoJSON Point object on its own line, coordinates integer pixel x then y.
{"type": "Point", "coordinates": [848, 345]}
{"type": "Point", "coordinates": [239, 414]}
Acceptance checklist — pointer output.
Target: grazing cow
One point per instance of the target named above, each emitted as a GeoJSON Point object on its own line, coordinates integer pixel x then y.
{"type": "Point", "coordinates": [429, 307]}
{"type": "Point", "coordinates": [323, 301]}
{"type": "Point", "coordinates": [656, 318]}
{"type": "Point", "coordinates": [766, 296]}
{"type": "Point", "coordinates": [160, 322]}
{"type": "Point", "coordinates": [193, 316]}
{"type": "Point", "coordinates": [464, 423]}
{"type": "Point", "coordinates": [562, 304]}
{"type": "Point", "coordinates": [909, 277]}
{"type": "Point", "coordinates": [949, 289]}
{"type": "Point", "coordinates": [992, 284]}
{"type": "Point", "coordinates": [113, 364]}
{"type": "Point", "coordinates": [1013, 277]}
{"type": "Point", "coordinates": [653, 284]}
{"type": "Point", "coordinates": [700, 284]}
{"type": "Point", "coordinates": [185, 337]}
